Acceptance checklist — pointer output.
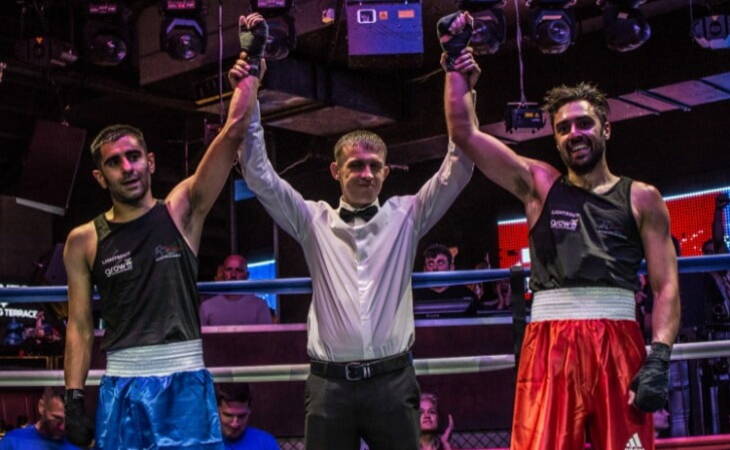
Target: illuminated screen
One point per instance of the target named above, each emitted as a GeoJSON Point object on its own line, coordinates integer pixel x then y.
{"type": "Point", "coordinates": [264, 270]}
{"type": "Point", "coordinates": [691, 216]}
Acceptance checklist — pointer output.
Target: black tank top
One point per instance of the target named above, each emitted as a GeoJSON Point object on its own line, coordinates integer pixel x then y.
{"type": "Point", "coordinates": [585, 239]}
{"type": "Point", "coordinates": [145, 273]}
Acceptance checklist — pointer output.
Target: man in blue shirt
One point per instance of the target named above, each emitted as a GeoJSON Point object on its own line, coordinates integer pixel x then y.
{"type": "Point", "coordinates": [234, 408]}
{"type": "Point", "coordinates": [47, 433]}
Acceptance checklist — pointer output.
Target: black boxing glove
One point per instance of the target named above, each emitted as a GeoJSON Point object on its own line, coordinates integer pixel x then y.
{"type": "Point", "coordinates": [79, 428]}
{"type": "Point", "coordinates": [455, 42]}
{"type": "Point", "coordinates": [651, 383]}
{"type": "Point", "coordinates": [253, 42]}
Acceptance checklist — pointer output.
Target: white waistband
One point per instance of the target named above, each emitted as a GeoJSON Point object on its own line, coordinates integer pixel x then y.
{"type": "Point", "coordinates": [155, 360]}
{"type": "Point", "coordinates": [584, 303]}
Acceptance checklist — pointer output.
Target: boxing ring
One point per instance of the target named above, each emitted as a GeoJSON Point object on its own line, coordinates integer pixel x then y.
{"type": "Point", "coordinates": [424, 366]}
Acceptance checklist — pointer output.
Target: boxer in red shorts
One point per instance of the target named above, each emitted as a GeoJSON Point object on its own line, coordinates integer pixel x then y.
{"type": "Point", "coordinates": [583, 368]}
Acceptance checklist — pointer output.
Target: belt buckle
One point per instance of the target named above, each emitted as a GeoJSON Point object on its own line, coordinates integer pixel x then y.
{"type": "Point", "coordinates": [355, 371]}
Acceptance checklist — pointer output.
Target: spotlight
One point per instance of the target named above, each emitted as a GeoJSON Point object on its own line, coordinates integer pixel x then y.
{"type": "Point", "coordinates": [271, 8]}
{"type": "Point", "coordinates": [183, 33]}
{"type": "Point", "coordinates": [490, 27]}
{"type": "Point", "coordinates": [106, 33]}
{"type": "Point", "coordinates": [282, 38]}
{"type": "Point", "coordinates": [282, 35]}
{"type": "Point", "coordinates": [552, 25]}
{"type": "Point", "coordinates": [625, 26]}
{"type": "Point", "coordinates": [712, 31]}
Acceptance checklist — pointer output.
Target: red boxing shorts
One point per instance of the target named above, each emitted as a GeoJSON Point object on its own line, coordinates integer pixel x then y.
{"type": "Point", "coordinates": [573, 381]}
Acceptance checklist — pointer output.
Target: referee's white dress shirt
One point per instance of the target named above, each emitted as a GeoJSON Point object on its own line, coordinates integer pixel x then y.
{"type": "Point", "coordinates": [362, 304]}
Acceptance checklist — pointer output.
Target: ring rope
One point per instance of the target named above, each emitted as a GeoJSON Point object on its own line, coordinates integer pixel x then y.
{"type": "Point", "coordinates": [299, 372]}
{"type": "Point", "coordinates": [303, 285]}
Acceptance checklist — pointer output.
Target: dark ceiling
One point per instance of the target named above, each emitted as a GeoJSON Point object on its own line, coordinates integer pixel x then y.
{"type": "Point", "coordinates": [312, 97]}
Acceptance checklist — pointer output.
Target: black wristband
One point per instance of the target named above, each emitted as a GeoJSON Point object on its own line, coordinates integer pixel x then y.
{"type": "Point", "coordinates": [661, 350]}
{"type": "Point", "coordinates": [72, 395]}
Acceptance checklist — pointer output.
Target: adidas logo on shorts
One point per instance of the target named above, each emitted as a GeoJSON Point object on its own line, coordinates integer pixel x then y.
{"type": "Point", "coordinates": [634, 443]}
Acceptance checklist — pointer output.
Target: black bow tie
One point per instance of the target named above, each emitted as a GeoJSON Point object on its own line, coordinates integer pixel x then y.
{"type": "Point", "coordinates": [365, 214]}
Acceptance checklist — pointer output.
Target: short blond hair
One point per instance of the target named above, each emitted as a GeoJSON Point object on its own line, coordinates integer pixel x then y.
{"type": "Point", "coordinates": [366, 138]}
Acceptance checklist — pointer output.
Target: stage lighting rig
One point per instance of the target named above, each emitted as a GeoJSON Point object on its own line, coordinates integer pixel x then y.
{"type": "Point", "coordinates": [282, 34]}
{"type": "Point", "coordinates": [624, 25]}
{"type": "Point", "coordinates": [183, 32]}
{"type": "Point", "coordinates": [523, 115]}
{"type": "Point", "coordinates": [712, 31]}
{"type": "Point", "coordinates": [711, 28]}
{"type": "Point", "coordinates": [552, 24]}
{"type": "Point", "coordinates": [106, 32]}
{"type": "Point", "coordinates": [271, 8]}
{"type": "Point", "coordinates": [490, 27]}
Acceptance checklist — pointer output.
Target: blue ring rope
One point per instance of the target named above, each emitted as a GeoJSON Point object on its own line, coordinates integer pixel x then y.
{"type": "Point", "coordinates": [42, 294]}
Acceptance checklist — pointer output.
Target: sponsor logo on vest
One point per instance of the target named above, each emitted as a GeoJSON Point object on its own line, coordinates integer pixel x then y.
{"type": "Point", "coordinates": [122, 263]}
{"type": "Point", "coordinates": [563, 220]}
{"type": "Point", "coordinates": [608, 228]}
{"type": "Point", "coordinates": [167, 252]}
{"type": "Point", "coordinates": [634, 443]}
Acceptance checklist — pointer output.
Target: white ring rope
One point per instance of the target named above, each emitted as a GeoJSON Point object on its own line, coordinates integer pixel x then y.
{"type": "Point", "coordinates": [299, 372]}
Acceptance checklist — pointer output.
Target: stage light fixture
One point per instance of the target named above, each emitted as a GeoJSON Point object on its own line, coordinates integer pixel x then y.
{"type": "Point", "coordinates": [490, 27]}
{"type": "Point", "coordinates": [624, 25]}
{"type": "Point", "coordinates": [282, 34]}
{"type": "Point", "coordinates": [552, 25]}
{"type": "Point", "coordinates": [271, 8]}
{"type": "Point", "coordinates": [712, 31]}
{"type": "Point", "coordinates": [106, 32]}
{"type": "Point", "coordinates": [282, 38]}
{"type": "Point", "coordinates": [183, 32]}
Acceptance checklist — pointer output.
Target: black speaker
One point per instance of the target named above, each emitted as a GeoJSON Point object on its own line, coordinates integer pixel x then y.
{"type": "Point", "coordinates": [50, 168]}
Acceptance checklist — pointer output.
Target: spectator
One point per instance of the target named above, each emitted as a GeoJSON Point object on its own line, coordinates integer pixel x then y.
{"type": "Point", "coordinates": [47, 433]}
{"type": "Point", "coordinates": [717, 288]}
{"type": "Point", "coordinates": [234, 408]}
{"type": "Point", "coordinates": [236, 309]}
{"type": "Point", "coordinates": [661, 423]}
{"type": "Point", "coordinates": [438, 258]}
{"type": "Point", "coordinates": [430, 437]}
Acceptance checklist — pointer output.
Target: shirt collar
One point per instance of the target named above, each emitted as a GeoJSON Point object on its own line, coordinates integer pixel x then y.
{"type": "Point", "coordinates": [349, 207]}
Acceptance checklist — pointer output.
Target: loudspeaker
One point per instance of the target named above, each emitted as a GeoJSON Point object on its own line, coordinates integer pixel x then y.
{"type": "Point", "coordinates": [384, 33]}
{"type": "Point", "coordinates": [50, 169]}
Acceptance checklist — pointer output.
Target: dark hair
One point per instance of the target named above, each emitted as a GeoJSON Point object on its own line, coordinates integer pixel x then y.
{"type": "Point", "coordinates": [434, 250]}
{"type": "Point", "coordinates": [367, 139]}
{"type": "Point", "coordinates": [113, 133]}
{"type": "Point", "coordinates": [556, 97]}
{"type": "Point", "coordinates": [51, 392]}
{"type": "Point", "coordinates": [238, 392]}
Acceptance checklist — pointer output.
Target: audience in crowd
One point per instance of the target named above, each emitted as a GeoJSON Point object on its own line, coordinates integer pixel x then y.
{"type": "Point", "coordinates": [438, 258]}
{"type": "Point", "coordinates": [432, 438]}
{"type": "Point", "coordinates": [234, 309]}
{"type": "Point", "coordinates": [47, 433]}
{"type": "Point", "coordinates": [234, 408]}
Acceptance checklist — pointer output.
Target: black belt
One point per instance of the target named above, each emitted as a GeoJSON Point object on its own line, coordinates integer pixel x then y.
{"type": "Point", "coordinates": [361, 370]}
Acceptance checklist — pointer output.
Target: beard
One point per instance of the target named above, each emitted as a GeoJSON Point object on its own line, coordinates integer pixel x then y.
{"type": "Point", "coordinates": [597, 150]}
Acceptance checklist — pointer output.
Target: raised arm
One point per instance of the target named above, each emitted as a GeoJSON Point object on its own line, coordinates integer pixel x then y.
{"type": "Point", "coordinates": [284, 203]}
{"type": "Point", "coordinates": [190, 201]}
{"type": "Point", "coordinates": [523, 177]}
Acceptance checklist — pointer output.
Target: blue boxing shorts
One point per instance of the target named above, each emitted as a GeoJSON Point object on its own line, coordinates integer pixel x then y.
{"type": "Point", "coordinates": [158, 396]}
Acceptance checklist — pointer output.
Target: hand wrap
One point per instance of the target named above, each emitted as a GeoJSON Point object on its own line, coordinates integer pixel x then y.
{"type": "Point", "coordinates": [452, 44]}
{"type": "Point", "coordinates": [253, 42]}
{"type": "Point", "coordinates": [79, 428]}
{"type": "Point", "coordinates": [651, 383]}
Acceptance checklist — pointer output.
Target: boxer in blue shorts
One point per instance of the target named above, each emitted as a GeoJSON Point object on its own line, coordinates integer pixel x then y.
{"type": "Point", "coordinates": [142, 256]}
